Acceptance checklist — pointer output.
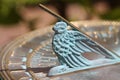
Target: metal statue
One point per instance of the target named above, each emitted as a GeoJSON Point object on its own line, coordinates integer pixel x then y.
{"type": "Point", "coordinates": [69, 45]}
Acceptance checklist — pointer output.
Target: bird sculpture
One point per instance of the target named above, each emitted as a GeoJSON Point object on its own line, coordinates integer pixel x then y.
{"type": "Point", "coordinates": [69, 45]}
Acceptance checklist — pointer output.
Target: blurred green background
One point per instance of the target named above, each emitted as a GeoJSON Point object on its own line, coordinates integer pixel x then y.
{"type": "Point", "coordinates": [9, 9]}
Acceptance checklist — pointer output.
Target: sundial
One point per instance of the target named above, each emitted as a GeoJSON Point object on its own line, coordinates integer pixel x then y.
{"type": "Point", "coordinates": [35, 56]}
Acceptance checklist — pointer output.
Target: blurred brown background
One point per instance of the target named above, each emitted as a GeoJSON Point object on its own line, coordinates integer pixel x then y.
{"type": "Point", "coordinates": [21, 16]}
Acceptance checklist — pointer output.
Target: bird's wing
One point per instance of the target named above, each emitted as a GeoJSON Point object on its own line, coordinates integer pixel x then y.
{"type": "Point", "coordinates": [79, 45]}
{"type": "Point", "coordinates": [83, 44]}
{"type": "Point", "coordinates": [61, 46]}
{"type": "Point", "coordinates": [66, 54]}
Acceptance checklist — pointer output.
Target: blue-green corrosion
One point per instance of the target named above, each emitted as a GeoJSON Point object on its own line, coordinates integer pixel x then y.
{"type": "Point", "coordinates": [69, 45]}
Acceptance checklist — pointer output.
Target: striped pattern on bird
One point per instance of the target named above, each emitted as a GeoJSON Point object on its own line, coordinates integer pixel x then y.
{"type": "Point", "coordinates": [70, 44]}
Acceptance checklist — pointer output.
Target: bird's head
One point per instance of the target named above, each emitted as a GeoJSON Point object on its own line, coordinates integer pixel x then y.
{"type": "Point", "coordinates": [60, 27]}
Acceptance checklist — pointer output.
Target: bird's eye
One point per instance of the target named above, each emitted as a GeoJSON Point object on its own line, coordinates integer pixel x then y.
{"type": "Point", "coordinates": [62, 27]}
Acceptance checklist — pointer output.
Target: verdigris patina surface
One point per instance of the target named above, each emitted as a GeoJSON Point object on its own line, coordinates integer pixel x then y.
{"type": "Point", "coordinates": [69, 45]}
